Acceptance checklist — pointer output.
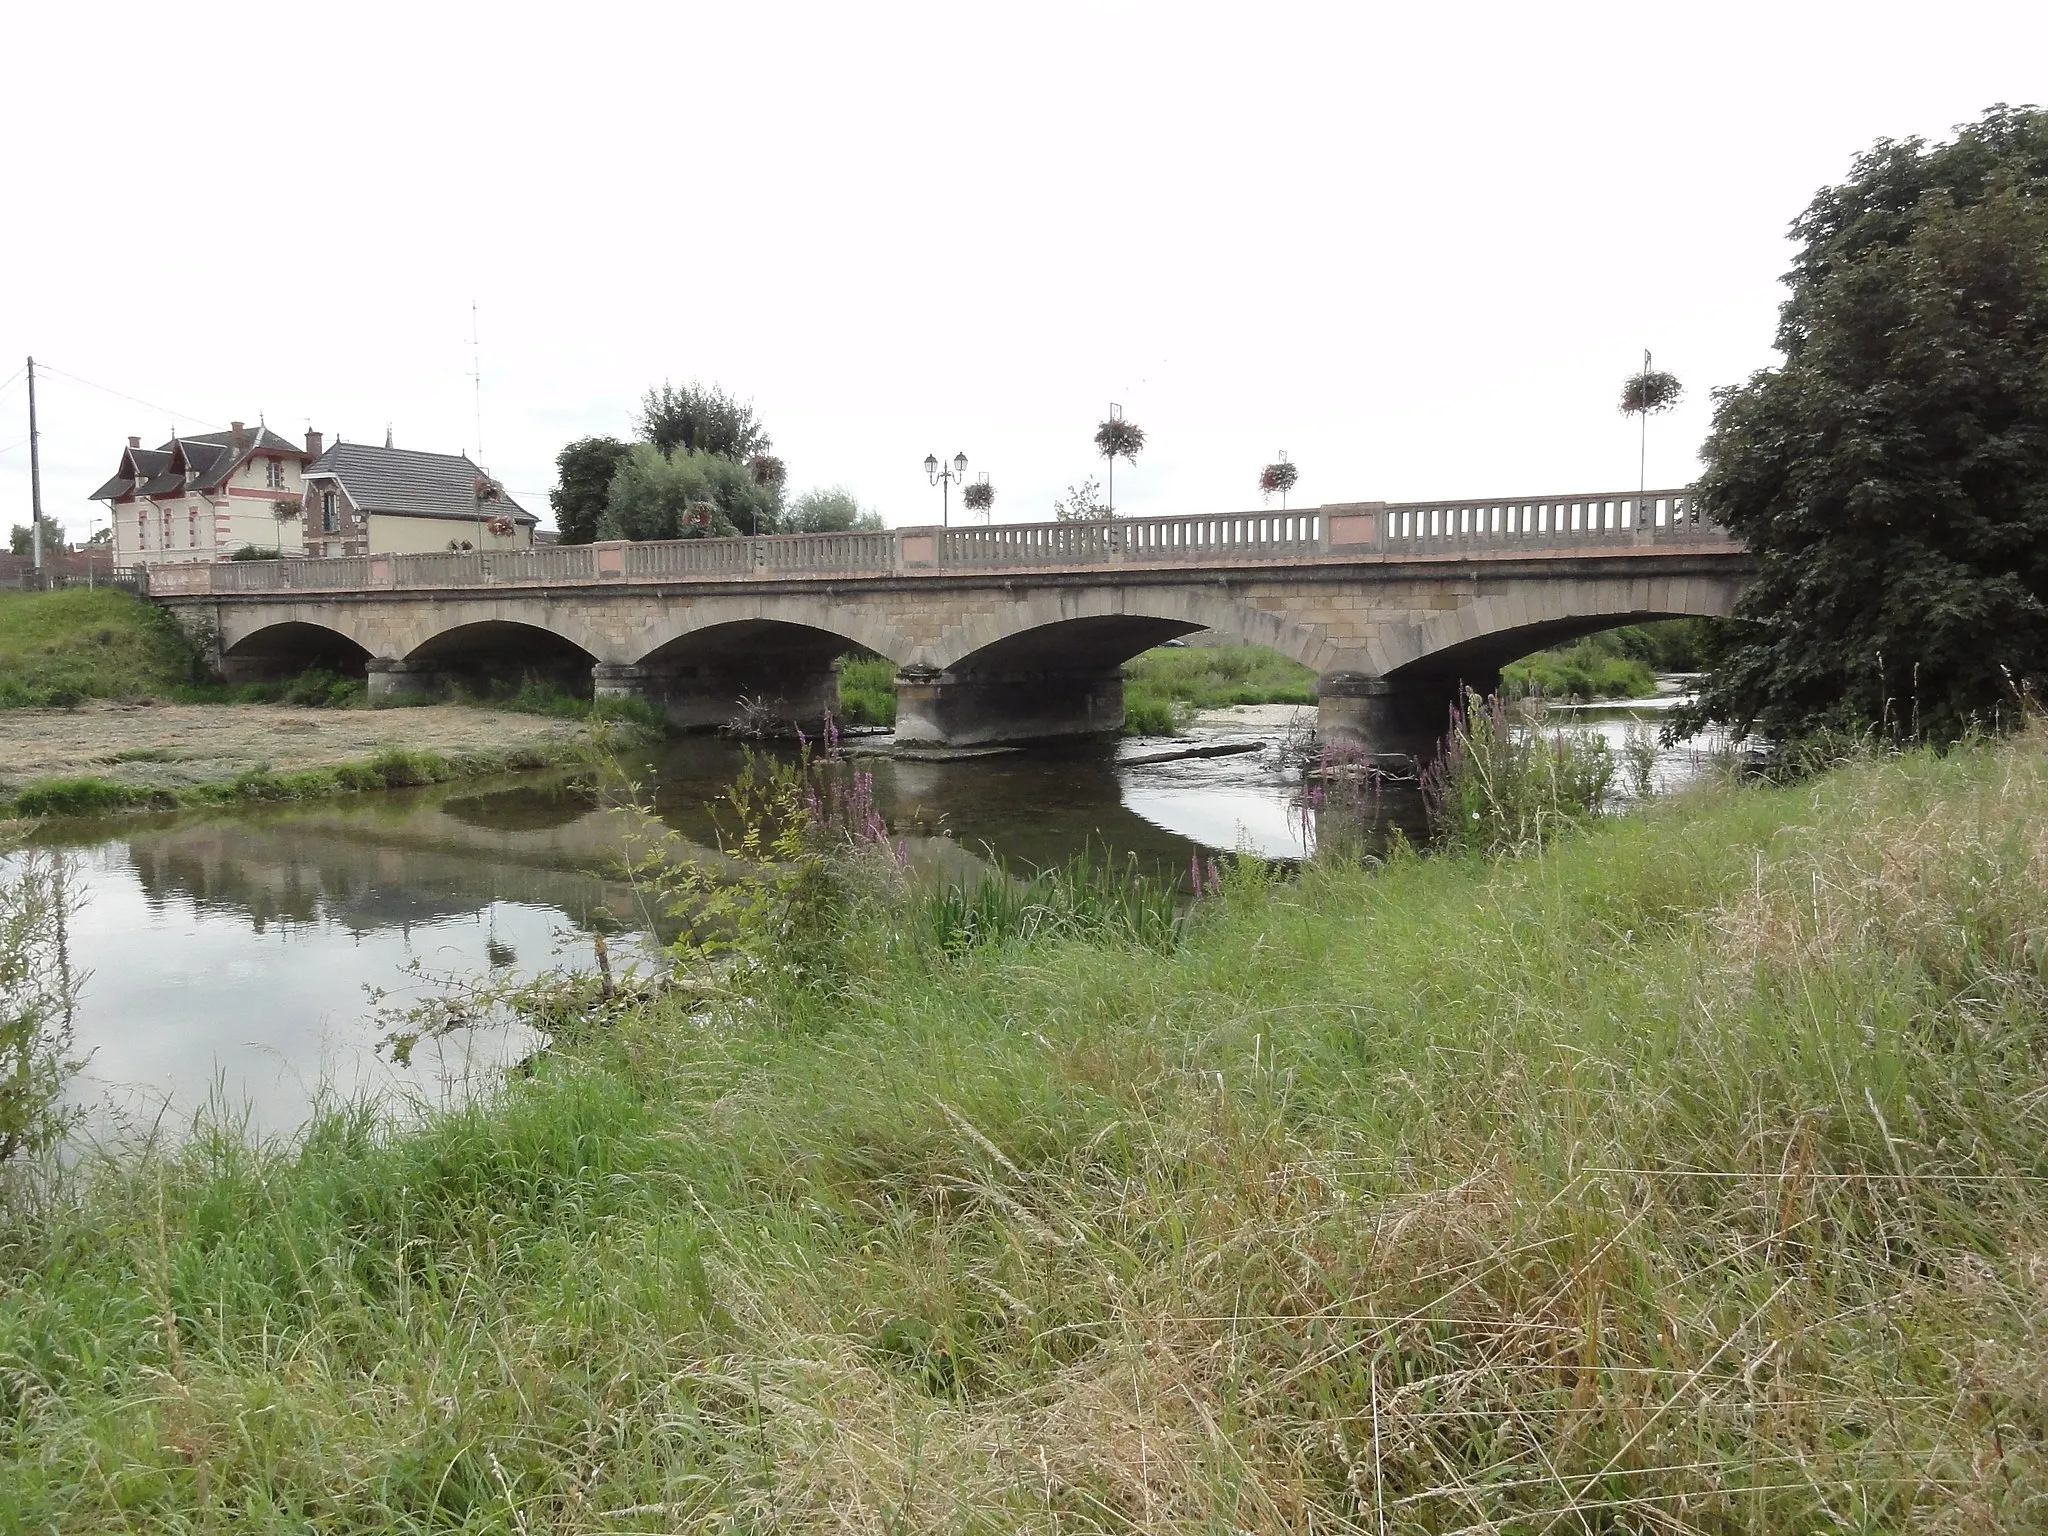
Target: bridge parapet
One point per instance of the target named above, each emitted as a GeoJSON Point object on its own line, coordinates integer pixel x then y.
{"type": "Point", "coordinates": [1518, 527]}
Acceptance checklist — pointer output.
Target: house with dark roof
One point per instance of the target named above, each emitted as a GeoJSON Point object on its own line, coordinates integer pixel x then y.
{"type": "Point", "coordinates": [204, 497]}
{"type": "Point", "coordinates": [362, 499]}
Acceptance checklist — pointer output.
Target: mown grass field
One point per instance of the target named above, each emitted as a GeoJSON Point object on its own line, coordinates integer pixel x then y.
{"type": "Point", "coordinates": [1688, 1176]}
{"type": "Point", "coordinates": [59, 648]}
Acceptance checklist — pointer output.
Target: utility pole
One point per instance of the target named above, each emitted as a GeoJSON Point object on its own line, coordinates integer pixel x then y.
{"type": "Point", "coordinates": [35, 474]}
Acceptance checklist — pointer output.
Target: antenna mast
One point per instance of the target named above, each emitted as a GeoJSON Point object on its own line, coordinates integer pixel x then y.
{"type": "Point", "coordinates": [476, 374]}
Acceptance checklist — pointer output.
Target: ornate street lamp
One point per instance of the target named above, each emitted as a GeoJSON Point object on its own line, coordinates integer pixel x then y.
{"type": "Point", "coordinates": [945, 477]}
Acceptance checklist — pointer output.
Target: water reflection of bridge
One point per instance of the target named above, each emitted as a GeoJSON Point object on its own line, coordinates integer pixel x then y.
{"type": "Point", "coordinates": [423, 856]}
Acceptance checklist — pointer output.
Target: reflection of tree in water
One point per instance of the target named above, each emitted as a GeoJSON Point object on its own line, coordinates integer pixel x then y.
{"type": "Point", "coordinates": [524, 807]}
{"type": "Point", "coordinates": [369, 867]}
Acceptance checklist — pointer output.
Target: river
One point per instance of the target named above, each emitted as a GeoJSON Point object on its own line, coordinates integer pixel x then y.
{"type": "Point", "coordinates": [228, 960]}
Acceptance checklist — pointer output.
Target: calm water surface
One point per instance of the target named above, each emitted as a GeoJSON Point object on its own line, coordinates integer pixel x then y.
{"type": "Point", "coordinates": [229, 957]}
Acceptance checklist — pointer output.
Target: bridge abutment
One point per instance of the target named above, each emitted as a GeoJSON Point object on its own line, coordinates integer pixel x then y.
{"type": "Point", "coordinates": [981, 709]}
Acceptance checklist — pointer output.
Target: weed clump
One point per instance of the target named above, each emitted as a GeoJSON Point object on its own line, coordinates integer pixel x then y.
{"type": "Point", "coordinates": [1499, 782]}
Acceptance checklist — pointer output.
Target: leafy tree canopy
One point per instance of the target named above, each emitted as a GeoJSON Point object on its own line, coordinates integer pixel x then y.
{"type": "Point", "coordinates": [702, 419]}
{"type": "Point", "coordinates": [1891, 477]}
{"type": "Point", "coordinates": [685, 495]}
{"type": "Point", "coordinates": [829, 511]}
{"type": "Point", "coordinates": [583, 473]}
{"type": "Point", "coordinates": [21, 537]}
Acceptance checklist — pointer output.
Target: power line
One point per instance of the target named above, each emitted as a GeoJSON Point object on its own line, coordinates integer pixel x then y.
{"type": "Point", "coordinates": [59, 373]}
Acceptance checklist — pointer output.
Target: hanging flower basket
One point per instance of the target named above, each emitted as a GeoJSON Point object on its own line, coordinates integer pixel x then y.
{"type": "Point", "coordinates": [1650, 391]}
{"type": "Point", "coordinates": [1120, 439]}
{"type": "Point", "coordinates": [768, 471]}
{"type": "Point", "coordinates": [978, 497]}
{"type": "Point", "coordinates": [487, 489]}
{"type": "Point", "coordinates": [500, 527]}
{"type": "Point", "coordinates": [1277, 479]}
{"type": "Point", "coordinates": [697, 519]}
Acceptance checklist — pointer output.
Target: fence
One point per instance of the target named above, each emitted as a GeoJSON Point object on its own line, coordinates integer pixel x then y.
{"type": "Point", "coordinates": [1564, 525]}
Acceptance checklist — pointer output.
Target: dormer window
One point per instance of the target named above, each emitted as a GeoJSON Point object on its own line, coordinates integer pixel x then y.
{"type": "Point", "coordinates": [330, 517]}
{"type": "Point", "coordinates": [274, 474]}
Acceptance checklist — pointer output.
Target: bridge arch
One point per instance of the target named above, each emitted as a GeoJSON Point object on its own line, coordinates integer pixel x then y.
{"type": "Point", "coordinates": [1079, 628]}
{"type": "Point", "coordinates": [275, 651]}
{"type": "Point", "coordinates": [712, 626]}
{"type": "Point", "coordinates": [503, 652]}
{"type": "Point", "coordinates": [1476, 640]}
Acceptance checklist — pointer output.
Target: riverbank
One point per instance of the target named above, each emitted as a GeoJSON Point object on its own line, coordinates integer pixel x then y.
{"type": "Point", "coordinates": [1689, 1174]}
{"type": "Point", "coordinates": [58, 648]}
{"type": "Point", "coordinates": [105, 756]}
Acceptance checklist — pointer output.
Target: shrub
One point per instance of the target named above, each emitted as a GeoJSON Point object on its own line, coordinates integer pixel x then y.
{"type": "Point", "coordinates": [1149, 713]}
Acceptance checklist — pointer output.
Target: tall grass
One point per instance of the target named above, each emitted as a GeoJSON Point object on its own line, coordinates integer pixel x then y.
{"type": "Point", "coordinates": [1686, 1175]}
{"type": "Point", "coordinates": [1499, 782]}
{"type": "Point", "coordinates": [1092, 897]}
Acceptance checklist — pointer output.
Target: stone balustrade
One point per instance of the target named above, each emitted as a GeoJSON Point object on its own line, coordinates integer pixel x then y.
{"type": "Point", "coordinates": [1516, 527]}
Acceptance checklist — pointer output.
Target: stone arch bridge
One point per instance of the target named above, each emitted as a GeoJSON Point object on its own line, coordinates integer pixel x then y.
{"type": "Point", "coordinates": [1005, 633]}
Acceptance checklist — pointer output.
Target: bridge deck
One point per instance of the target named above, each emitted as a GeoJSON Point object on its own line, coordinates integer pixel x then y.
{"type": "Point", "coordinates": [1570, 526]}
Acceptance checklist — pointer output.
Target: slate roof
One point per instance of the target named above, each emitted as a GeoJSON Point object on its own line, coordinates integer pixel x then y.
{"type": "Point", "coordinates": [409, 483]}
{"type": "Point", "coordinates": [209, 457]}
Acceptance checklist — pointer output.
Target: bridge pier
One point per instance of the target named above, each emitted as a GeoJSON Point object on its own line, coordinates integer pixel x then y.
{"type": "Point", "coordinates": [978, 709]}
{"type": "Point", "coordinates": [1383, 717]}
{"type": "Point", "coordinates": [391, 680]}
{"type": "Point", "coordinates": [709, 697]}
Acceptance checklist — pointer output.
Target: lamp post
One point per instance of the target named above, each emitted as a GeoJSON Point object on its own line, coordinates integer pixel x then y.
{"type": "Point", "coordinates": [945, 476]}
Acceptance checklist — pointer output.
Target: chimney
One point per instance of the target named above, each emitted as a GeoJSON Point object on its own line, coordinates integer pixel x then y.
{"type": "Point", "coordinates": [315, 443]}
{"type": "Point", "coordinates": [237, 426]}
{"type": "Point", "coordinates": [134, 442]}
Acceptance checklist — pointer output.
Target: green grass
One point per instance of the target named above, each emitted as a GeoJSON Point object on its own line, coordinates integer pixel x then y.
{"type": "Point", "coordinates": [867, 690]}
{"type": "Point", "coordinates": [1690, 1176]}
{"type": "Point", "coordinates": [1165, 687]}
{"type": "Point", "coordinates": [1613, 664]}
{"type": "Point", "coordinates": [62, 648]}
{"type": "Point", "coordinates": [391, 768]}
{"type": "Point", "coordinates": [1216, 676]}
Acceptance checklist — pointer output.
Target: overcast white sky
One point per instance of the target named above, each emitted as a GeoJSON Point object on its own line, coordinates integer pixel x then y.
{"type": "Point", "coordinates": [1417, 247]}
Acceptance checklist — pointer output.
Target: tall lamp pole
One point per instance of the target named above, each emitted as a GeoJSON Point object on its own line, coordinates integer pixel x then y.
{"type": "Point", "coordinates": [945, 476]}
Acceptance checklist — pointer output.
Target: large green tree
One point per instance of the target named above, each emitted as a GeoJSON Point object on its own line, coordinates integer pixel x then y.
{"type": "Point", "coordinates": [702, 419]}
{"type": "Point", "coordinates": [21, 538]}
{"type": "Point", "coordinates": [836, 510]}
{"type": "Point", "coordinates": [686, 495]}
{"type": "Point", "coordinates": [1892, 476]}
{"type": "Point", "coordinates": [583, 474]}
